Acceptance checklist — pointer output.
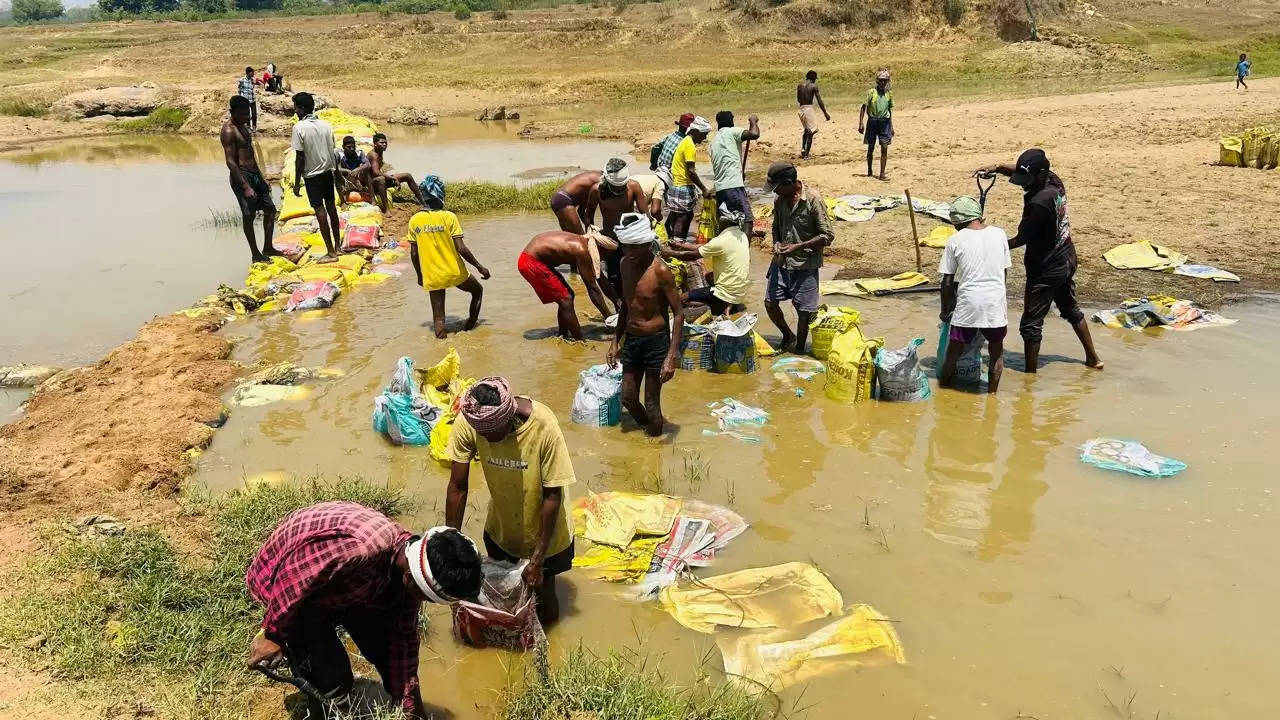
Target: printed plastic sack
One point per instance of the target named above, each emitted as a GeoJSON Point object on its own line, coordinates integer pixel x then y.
{"type": "Point", "coordinates": [505, 614]}
{"type": "Point", "coordinates": [1231, 151]}
{"type": "Point", "coordinates": [401, 413]}
{"type": "Point", "coordinates": [360, 236]}
{"type": "Point", "coordinates": [312, 295]}
{"type": "Point", "coordinates": [734, 348]}
{"type": "Point", "coordinates": [968, 365]}
{"type": "Point", "coordinates": [1130, 457]}
{"type": "Point", "coordinates": [697, 348]}
{"type": "Point", "coordinates": [851, 366]}
{"type": "Point", "coordinates": [829, 322]}
{"type": "Point", "coordinates": [898, 374]}
{"type": "Point", "coordinates": [598, 400]}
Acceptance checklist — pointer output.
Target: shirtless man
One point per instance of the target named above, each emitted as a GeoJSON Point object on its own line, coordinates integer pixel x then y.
{"type": "Point", "coordinates": [646, 342]}
{"type": "Point", "coordinates": [380, 178]}
{"type": "Point", "coordinates": [537, 264]}
{"type": "Point", "coordinates": [251, 190]}
{"type": "Point", "coordinates": [570, 196]}
{"type": "Point", "coordinates": [807, 94]}
{"type": "Point", "coordinates": [614, 194]}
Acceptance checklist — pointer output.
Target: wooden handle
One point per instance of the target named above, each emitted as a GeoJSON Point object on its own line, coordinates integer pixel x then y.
{"type": "Point", "coordinates": [915, 234]}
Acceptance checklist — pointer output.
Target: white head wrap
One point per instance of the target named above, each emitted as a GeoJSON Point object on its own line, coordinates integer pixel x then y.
{"type": "Point", "coordinates": [633, 229]}
{"type": "Point", "coordinates": [700, 124]}
{"type": "Point", "coordinates": [734, 216]}
{"type": "Point", "coordinates": [416, 553]}
{"type": "Point", "coordinates": [615, 172]}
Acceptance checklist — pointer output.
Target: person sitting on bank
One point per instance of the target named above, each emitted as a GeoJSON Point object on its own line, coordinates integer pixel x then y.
{"type": "Point", "coordinates": [352, 164]}
{"type": "Point", "coordinates": [380, 177]}
{"type": "Point", "coordinates": [974, 266]}
{"type": "Point", "coordinates": [730, 254]}
{"type": "Point", "coordinates": [343, 564]}
{"type": "Point", "coordinates": [527, 467]}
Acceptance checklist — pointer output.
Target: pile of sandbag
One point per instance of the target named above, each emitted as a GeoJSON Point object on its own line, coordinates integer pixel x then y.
{"type": "Point", "coordinates": [419, 407]}
{"type": "Point", "coordinates": [1257, 147]}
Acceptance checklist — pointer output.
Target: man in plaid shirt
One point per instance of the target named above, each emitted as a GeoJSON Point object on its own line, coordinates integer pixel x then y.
{"type": "Point", "coordinates": [246, 91]}
{"type": "Point", "coordinates": [340, 563]}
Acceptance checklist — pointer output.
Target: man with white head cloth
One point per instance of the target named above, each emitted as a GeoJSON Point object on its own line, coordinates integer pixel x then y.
{"type": "Point", "coordinates": [683, 195]}
{"type": "Point", "coordinates": [614, 194]}
{"type": "Point", "coordinates": [646, 341]}
{"type": "Point", "coordinates": [343, 564]}
{"type": "Point", "coordinates": [526, 463]}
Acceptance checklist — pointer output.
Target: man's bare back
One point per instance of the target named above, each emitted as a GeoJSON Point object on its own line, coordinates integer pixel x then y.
{"type": "Point", "coordinates": [805, 92]}
{"type": "Point", "coordinates": [233, 137]}
{"type": "Point", "coordinates": [579, 186]}
{"type": "Point", "coordinates": [645, 291]}
{"type": "Point", "coordinates": [557, 247]}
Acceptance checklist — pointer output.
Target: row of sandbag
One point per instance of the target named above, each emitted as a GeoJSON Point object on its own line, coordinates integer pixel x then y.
{"type": "Point", "coordinates": [1257, 147]}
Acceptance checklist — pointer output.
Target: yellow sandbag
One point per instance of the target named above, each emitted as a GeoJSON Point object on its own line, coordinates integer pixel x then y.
{"type": "Point", "coordinates": [771, 662]}
{"type": "Point", "coordinates": [262, 272]}
{"type": "Point", "coordinates": [1250, 149]}
{"type": "Point", "coordinates": [622, 565]}
{"type": "Point", "coordinates": [938, 237]}
{"type": "Point", "coordinates": [323, 273]}
{"type": "Point", "coordinates": [614, 518]}
{"type": "Point", "coordinates": [351, 261]}
{"type": "Point", "coordinates": [443, 372]}
{"type": "Point", "coordinates": [370, 279]}
{"type": "Point", "coordinates": [763, 348]}
{"type": "Point", "coordinates": [851, 367]}
{"type": "Point", "coordinates": [706, 219]}
{"type": "Point", "coordinates": [1143, 255]}
{"type": "Point", "coordinates": [863, 287]}
{"type": "Point", "coordinates": [829, 322]}
{"type": "Point", "coordinates": [292, 206]}
{"type": "Point", "coordinates": [362, 214]}
{"type": "Point", "coordinates": [440, 440]}
{"type": "Point", "coordinates": [779, 596]}
{"type": "Point", "coordinates": [1231, 151]}
{"type": "Point", "coordinates": [1265, 143]}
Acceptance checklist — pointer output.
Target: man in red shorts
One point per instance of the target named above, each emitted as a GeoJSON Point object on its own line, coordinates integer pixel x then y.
{"type": "Point", "coordinates": [537, 264]}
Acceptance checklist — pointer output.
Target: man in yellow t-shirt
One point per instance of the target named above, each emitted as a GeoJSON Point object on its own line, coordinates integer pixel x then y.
{"type": "Point", "coordinates": [526, 464]}
{"type": "Point", "coordinates": [682, 196]}
{"type": "Point", "coordinates": [437, 251]}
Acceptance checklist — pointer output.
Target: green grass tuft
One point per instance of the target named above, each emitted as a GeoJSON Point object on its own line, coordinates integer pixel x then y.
{"type": "Point", "coordinates": [479, 198]}
{"type": "Point", "coordinates": [22, 107]}
{"type": "Point", "coordinates": [162, 119]}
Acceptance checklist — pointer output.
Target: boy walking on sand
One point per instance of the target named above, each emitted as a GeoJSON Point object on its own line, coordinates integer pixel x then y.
{"type": "Point", "coordinates": [1242, 71]}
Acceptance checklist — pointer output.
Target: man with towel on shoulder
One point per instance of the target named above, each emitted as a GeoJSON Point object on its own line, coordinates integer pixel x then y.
{"type": "Point", "coordinates": [646, 342]}
{"type": "Point", "coordinates": [518, 443]}
{"type": "Point", "coordinates": [614, 194]}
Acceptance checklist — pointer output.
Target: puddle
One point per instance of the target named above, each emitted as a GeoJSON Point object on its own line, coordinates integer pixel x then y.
{"type": "Point", "coordinates": [1017, 576]}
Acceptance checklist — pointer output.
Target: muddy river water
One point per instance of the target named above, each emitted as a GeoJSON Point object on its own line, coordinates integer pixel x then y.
{"type": "Point", "coordinates": [1023, 583]}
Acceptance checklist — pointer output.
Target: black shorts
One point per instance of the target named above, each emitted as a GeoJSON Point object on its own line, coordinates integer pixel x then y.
{"type": "Point", "coordinates": [260, 188]}
{"type": "Point", "coordinates": [319, 188]}
{"type": "Point", "coordinates": [718, 307]}
{"type": "Point", "coordinates": [647, 352]}
{"type": "Point", "coordinates": [554, 565]}
{"type": "Point", "coordinates": [1057, 287]}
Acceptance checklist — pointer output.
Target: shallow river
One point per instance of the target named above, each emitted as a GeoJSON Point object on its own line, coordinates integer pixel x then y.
{"type": "Point", "coordinates": [1023, 583]}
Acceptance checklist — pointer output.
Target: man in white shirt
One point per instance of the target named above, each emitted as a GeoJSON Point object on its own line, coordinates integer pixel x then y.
{"type": "Point", "coordinates": [974, 266]}
{"type": "Point", "coordinates": [317, 167]}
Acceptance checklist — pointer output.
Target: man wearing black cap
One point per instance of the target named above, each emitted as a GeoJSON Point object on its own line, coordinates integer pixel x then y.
{"type": "Point", "coordinates": [1050, 259]}
{"type": "Point", "coordinates": [801, 229]}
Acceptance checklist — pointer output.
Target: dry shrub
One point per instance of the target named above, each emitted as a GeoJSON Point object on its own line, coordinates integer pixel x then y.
{"type": "Point", "coordinates": [1011, 20]}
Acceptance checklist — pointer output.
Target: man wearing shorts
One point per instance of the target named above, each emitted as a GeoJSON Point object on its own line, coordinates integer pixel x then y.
{"type": "Point", "coordinates": [646, 341]}
{"type": "Point", "coordinates": [875, 122]}
{"type": "Point", "coordinates": [686, 186]}
{"type": "Point", "coordinates": [807, 94]}
{"type": "Point", "coordinates": [437, 250]}
{"type": "Point", "coordinates": [526, 468]}
{"type": "Point", "coordinates": [726, 162]}
{"type": "Point", "coordinates": [537, 265]}
{"type": "Point", "coordinates": [570, 198]}
{"type": "Point", "coordinates": [974, 266]}
{"type": "Point", "coordinates": [730, 254]}
{"type": "Point", "coordinates": [314, 165]}
{"type": "Point", "coordinates": [251, 190]}
{"type": "Point", "coordinates": [352, 163]}
{"type": "Point", "coordinates": [1050, 259]}
{"type": "Point", "coordinates": [615, 193]}
{"type": "Point", "coordinates": [801, 229]}
{"type": "Point", "coordinates": [381, 177]}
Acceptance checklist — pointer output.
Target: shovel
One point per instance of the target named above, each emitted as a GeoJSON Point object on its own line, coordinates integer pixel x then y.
{"type": "Point", "coordinates": [317, 702]}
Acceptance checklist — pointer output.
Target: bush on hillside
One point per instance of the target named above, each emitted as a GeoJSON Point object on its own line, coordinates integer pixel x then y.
{"type": "Point", "coordinates": [462, 12]}
{"type": "Point", "coordinates": [953, 10]}
{"type": "Point", "coordinates": [25, 11]}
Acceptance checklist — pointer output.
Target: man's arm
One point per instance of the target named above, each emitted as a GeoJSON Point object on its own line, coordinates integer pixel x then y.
{"type": "Point", "coordinates": [455, 503]}
{"type": "Point", "coordinates": [948, 297]}
{"type": "Point", "coordinates": [824, 237]}
{"type": "Point", "coordinates": [817, 97]}
{"type": "Point", "coordinates": [636, 196]}
{"type": "Point", "coordinates": [548, 514]}
{"type": "Point", "coordinates": [655, 207]}
{"type": "Point", "coordinates": [587, 272]}
{"type": "Point", "coordinates": [228, 137]}
{"type": "Point", "coordinates": [465, 252]}
{"type": "Point", "coordinates": [417, 264]}
{"type": "Point", "coordinates": [611, 358]}
{"type": "Point", "coordinates": [667, 283]}
{"type": "Point", "coordinates": [862, 118]}
{"type": "Point", "coordinates": [589, 210]}
{"type": "Point", "coordinates": [679, 251]}
{"type": "Point", "coordinates": [693, 175]}
{"type": "Point", "coordinates": [1005, 169]}
{"type": "Point", "coordinates": [753, 128]}
{"type": "Point", "coordinates": [298, 159]}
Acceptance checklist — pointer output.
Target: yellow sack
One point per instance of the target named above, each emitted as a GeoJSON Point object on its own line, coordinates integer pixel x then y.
{"type": "Point", "coordinates": [440, 434]}
{"type": "Point", "coordinates": [351, 262]}
{"type": "Point", "coordinates": [370, 279]}
{"type": "Point", "coordinates": [614, 518]}
{"type": "Point", "coordinates": [1231, 151]}
{"type": "Point", "coordinates": [851, 366]}
{"type": "Point", "coordinates": [1143, 255]}
{"type": "Point", "coordinates": [707, 219]}
{"type": "Point", "coordinates": [323, 273]}
{"type": "Point", "coordinates": [1251, 146]}
{"type": "Point", "coordinates": [763, 348]}
{"type": "Point", "coordinates": [829, 322]}
{"type": "Point", "coordinates": [1265, 144]}
{"type": "Point", "coordinates": [938, 237]}
{"type": "Point", "coordinates": [862, 287]}
{"type": "Point", "coordinates": [772, 662]}
{"type": "Point", "coordinates": [779, 596]}
{"type": "Point", "coordinates": [621, 565]}
{"type": "Point", "coordinates": [262, 272]}
{"type": "Point", "coordinates": [443, 372]}
{"type": "Point", "coordinates": [292, 206]}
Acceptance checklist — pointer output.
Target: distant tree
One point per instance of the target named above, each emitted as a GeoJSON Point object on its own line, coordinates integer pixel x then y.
{"type": "Point", "coordinates": [32, 10]}
{"type": "Point", "coordinates": [135, 7]}
{"type": "Point", "coordinates": [211, 7]}
{"type": "Point", "coordinates": [259, 4]}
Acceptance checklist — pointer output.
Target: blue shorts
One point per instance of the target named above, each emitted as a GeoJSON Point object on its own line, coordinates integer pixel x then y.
{"type": "Point", "coordinates": [736, 199]}
{"type": "Point", "coordinates": [798, 286]}
{"type": "Point", "coordinates": [878, 129]}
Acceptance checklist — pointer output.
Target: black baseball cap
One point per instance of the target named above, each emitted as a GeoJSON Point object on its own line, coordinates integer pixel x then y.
{"type": "Point", "coordinates": [780, 173]}
{"type": "Point", "coordinates": [1029, 165]}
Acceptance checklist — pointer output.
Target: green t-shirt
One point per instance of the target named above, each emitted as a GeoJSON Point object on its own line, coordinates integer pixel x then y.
{"type": "Point", "coordinates": [726, 157]}
{"type": "Point", "coordinates": [879, 106]}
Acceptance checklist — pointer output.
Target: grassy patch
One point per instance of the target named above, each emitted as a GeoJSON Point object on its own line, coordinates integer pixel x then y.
{"type": "Point", "coordinates": [480, 198]}
{"type": "Point", "coordinates": [621, 686]}
{"type": "Point", "coordinates": [162, 119]}
{"type": "Point", "coordinates": [23, 107]}
{"type": "Point", "coordinates": [132, 610]}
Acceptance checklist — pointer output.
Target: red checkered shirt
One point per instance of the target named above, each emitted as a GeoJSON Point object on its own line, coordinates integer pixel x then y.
{"type": "Point", "coordinates": [338, 557]}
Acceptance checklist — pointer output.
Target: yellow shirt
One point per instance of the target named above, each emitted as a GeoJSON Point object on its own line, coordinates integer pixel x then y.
{"type": "Point", "coordinates": [433, 232]}
{"type": "Point", "coordinates": [732, 256]}
{"type": "Point", "coordinates": [686, 152]}
{"type": "Point", "coordinates": [516, 470]}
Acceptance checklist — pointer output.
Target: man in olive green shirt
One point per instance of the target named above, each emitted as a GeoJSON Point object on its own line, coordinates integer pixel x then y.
{"type": "Point", "coordinates": [526, 467]}
{"type": "Point", "coordinates": [801, 230]}
{"type": "Point", "coordinates": [875, 121]}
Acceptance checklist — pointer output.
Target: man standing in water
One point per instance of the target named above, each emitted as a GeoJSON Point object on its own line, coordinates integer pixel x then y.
{"type": "Point", "coordinates": [807, 94]}
{"type": "Point", "coordinates": [437, 250]}
{"type": "Point", "coordinates": [801, 230]}
{"type": "Point", "coordinates": [974, 265]}
{"type": "Point", "coordinates": [646, 342]}
{"type": "Point", "coordinates": [527, 467]}
{"type": "Point", "coordinates": [343, 564]}
{"type": "Point", "coordinates": [251, 190]}
{"type": "Point", "coordinates": [614, 195]}
{"type": "Point", "coordinates": [537, 265]}
{"type": "Point", "coordinates": [682, 196]}
{"type": "Point", "coordinates": [381, 178]}
{"type": "Point", "coordinates": [314, 166]}
{"type": "Point", "coordinates": [660, 156]}
{"type": "Point", "coordinates": [875, 121]}
{"type": "Point", "coordinates": [567, 200]}
{"type": "Point", "coordinates": [726, 163]}
{"type": "Point", "coordinates": [1050, 259]}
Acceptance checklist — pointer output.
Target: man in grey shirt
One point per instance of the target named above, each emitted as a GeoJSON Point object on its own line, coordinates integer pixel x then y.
{"type": "Point", "coordinates": [801, 229]}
